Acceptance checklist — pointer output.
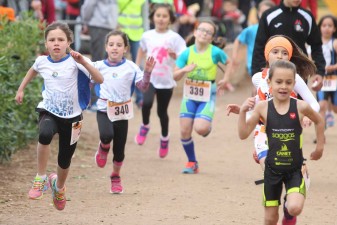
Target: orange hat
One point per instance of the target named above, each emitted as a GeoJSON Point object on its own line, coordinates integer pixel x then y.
{"type": "Point", "coordinates": [278, 41]}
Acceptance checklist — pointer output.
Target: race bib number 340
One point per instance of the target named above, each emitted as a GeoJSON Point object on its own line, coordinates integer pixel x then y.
{"type": "Point", "coordinates": [197, 90]}
{"type": "Point", "coordinates": [119, 111]}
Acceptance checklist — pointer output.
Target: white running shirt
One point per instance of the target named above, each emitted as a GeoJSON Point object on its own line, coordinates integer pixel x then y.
{"type": "Point", "coordinates": [156, 44]}
{"type": "Point", "coordinates": [65, 90]}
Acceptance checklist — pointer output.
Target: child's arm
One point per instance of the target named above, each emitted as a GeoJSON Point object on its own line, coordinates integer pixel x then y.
{"type": "Point", "coordinates": [306, 110]}
{"type": "Point", "coordinates": [245, 127]}
{"type": "Point", "coordinates": [29, 76]}
{"type": "Point", "coordinates": [96, 75]}
{"type": "Point", "coordinates": [180, 73]}
{"type": "Point", "coordinates": [143, 85]}
{"type": "Point", "coordinates": [224, 83]}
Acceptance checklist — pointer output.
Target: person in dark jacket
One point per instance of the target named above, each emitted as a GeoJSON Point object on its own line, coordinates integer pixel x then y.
{"type": "Point", "coordinates": [297, 23]}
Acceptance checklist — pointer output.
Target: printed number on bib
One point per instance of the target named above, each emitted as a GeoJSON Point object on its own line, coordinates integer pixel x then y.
{"type": "Point", "coordinates": [75, 132]}
{"type": "Point", "coordinates": [329, 83]}
{"type": "Point", "coordinates": [197, 90]}
{"type": "Point", "coordinates": [119, 111]}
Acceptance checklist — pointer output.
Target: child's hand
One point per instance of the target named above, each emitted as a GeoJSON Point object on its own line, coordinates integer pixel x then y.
{"type": "Point", "coordinates": [317, 154]}
{"type": "Point", "coordinates": [149, 64]}
{"type": "Point", "coordinates": [78, 57]}
{"type": "Point", "coordinates": [248, 104]}
{"type": "Point", "coordinates": [232, 108]}
{"type": "Point", "coordinates": [19, 97]}
{"type": "Point", "coordinates": [306, 122]}
{"type": "Point", "coordinates": [189, 68]}
{"type": "Point", "coordinates": [224, 85]}
{"type": "Point", "coordinates": [172, 54]}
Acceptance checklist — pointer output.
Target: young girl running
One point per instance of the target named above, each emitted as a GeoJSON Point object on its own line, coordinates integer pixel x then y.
{"type": "Point", "coordinates": [328, 93]}
{"type": "Point", "coordinates": [279, 47]}
{"type": "Point", "coordinates": [199, 64]}
{"type": "Point", "coordinates": [282, 116]}
{"type": "Point", "coordinates": [164, 45]}
{"type": "Point", "coordinates": [65, 94]}
{"type": "Point", "coordinates": [114, 103]}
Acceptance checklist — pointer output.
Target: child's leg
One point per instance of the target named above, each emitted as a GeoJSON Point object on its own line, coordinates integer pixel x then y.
{"type": "Point", "coordinates": [260, 143]}
{"type": "Point", "coordinates": [163, 100]}
{"type": "Point", "coordinates": [271, 215]}
{"type": "Point", "coordinates": [148, 98]}
{"type": "Point", "coordinates": [295, 203]}
{"type": "Point", "coordinates": [62, 175]}
{"type": "Point", "coordinates": [43, 152]}
{"type": "Point", "coordinates": [202, 126]}
{"type": "Point", "coordinates": [120, 132]}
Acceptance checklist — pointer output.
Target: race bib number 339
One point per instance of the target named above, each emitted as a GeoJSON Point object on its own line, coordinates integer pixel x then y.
{"type": "Point", "coordinates": [119, 111]}
{"type": "Point", "coordinates": [197, 90]}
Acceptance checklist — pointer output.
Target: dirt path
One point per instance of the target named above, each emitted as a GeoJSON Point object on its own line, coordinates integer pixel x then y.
{"type": "Point", "coordinates": [155, 190]}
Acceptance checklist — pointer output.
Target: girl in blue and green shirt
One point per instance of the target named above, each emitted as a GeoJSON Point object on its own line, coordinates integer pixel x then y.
{"type": "Point", "coordinates": [198, 66]}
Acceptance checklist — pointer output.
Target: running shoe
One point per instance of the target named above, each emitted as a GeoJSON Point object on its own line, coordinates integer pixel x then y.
{"type": "Point", "coordinates": [101, 157]}
{"type": "Point", "coordinates": [116, 185]}
{"type": "Point", "coordinates": [141, 136]}
{"type": "Point", "coordinates": [191, 168]}
{"type": "Point", "coordinates": [39, 187]}
{"type": "Point", "coordinates": [59, 198]}
{"type": "Point", "coordinates": [164, 148]}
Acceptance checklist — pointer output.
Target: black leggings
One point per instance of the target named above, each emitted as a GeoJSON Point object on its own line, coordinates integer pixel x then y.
{"type": "Point", "coordinates": [49, 125]}
{"type": "Point", "coordinates": [163, 100]}
{"type": "Point", "coordinates": [116, 131]}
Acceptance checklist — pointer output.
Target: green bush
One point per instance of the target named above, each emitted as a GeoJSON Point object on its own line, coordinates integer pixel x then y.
{"type": "Point", "coordinates": [19, 45]}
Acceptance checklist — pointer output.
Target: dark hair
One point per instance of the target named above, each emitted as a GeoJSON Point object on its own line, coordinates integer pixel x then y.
{"type": "Point", "coordinates": [334, 20]}
{"type": "Point", "coordinates": [117, 33]}
{"type": "Point", "coordinates": [62, 26]}
{"type": "Point", "coordinates": [169, 8]}
{"type": "Point", "coordinates": [281, 64]}
{"type": "Point", "coordinates": [217, 41]}
{"type": "Point", "coordinates": [305, 66]}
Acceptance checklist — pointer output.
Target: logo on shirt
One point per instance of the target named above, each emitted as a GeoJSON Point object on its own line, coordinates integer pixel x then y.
{"type": "Point", "coordinates": [55, 74]}
{"type": "Point", "coordinates": [114, 75]}
{"type": "Point", "coordinates": [277, 25]}
{"type": "Point", "coordinates": [292, 116]}
{"type": "Point", "coordinates": [298, 26]}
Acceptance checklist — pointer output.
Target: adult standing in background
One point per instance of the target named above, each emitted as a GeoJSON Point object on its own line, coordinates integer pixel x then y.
{"type": "Point", "coordinates": [44, 10]}
{"type": "Point", "coordinates": [99, 18]}
{"type": "Point", "coordinates": [133, 19]}
{"type": "Point", "coordinates": [295, 22]}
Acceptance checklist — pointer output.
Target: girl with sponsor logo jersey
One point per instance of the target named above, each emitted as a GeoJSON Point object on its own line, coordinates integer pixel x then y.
{"type": "Point", "coordinates": [282, 116]}
{"type": "Point", "coordinates": [66, 94]}
{"type": "Point", "coordinates": [199, 64]}
{"type": "Point", "coordinates": [279, 48]}
{"type": "Point", "coordinates": [164, 45]}
{"type": "Point", "coordinates": [114, 104]}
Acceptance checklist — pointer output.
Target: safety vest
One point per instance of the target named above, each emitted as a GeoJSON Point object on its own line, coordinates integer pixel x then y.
{"type": "Point", "coordinates": [130, 18]}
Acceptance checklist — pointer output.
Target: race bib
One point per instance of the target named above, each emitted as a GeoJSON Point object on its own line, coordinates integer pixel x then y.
{"type": "Point", "coordinates": [197, 90]}
{"type": "Point", "coordinates": [329, 83]}
{"type": "Point", "coordinates": [119, 111]}
{"type": "Point", "coordinates": [75, 132]}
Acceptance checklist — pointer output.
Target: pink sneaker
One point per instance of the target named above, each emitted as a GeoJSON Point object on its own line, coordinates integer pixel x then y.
{"type": "Point", "coordinates": [286, 221]}
{"type": "Point", "coordinates": [101, 157]}
{"type": "Point", "coordinates": [116, 185]}
{"type": "Point", "coordinates": [141, 136]}
{"type": "Point", "coordinates": [164, 148]}
{"type": "Point", "coordinates": [59, 198]}
{"type": "Point", "coordinates": [39, 187]}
